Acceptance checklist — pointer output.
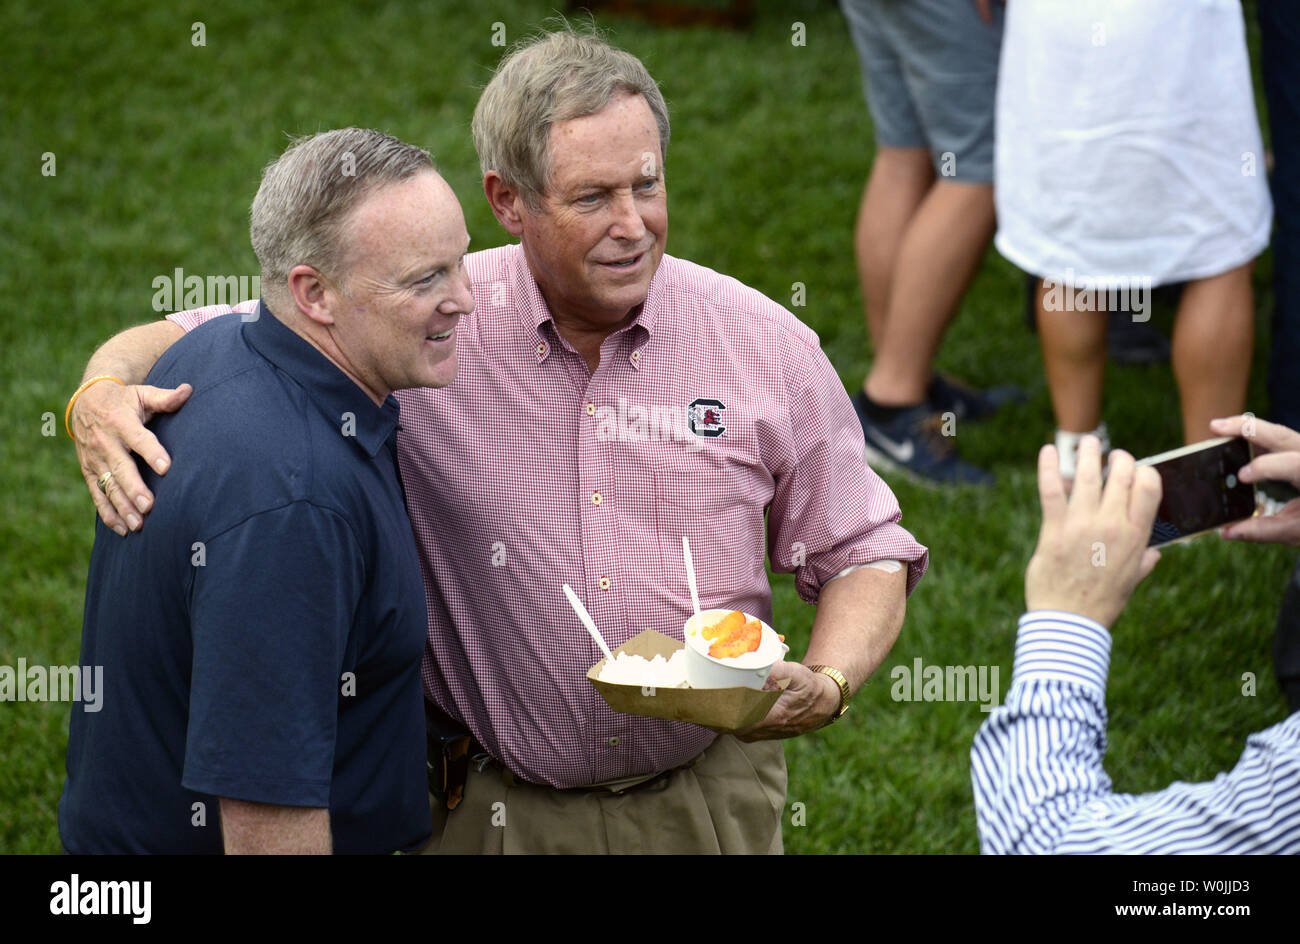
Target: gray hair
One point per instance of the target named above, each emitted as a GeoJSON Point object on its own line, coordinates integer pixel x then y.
{"type": "Point", "coordinates": [307, 194]}
{"type": "Point", "coordinates": [547, 79]}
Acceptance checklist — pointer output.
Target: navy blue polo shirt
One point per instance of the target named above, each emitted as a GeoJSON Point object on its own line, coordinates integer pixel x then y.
{"type": "Point", "coordinates": [261, 636]}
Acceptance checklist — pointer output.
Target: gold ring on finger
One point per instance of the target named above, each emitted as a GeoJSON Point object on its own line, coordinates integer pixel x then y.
{"type": "Point", "coordinates": [103, 481]}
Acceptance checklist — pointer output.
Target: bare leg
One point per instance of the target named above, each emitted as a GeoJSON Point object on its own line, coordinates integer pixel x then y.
{"type": "Point", "coordinates": [1214, 335]}
{"type": "Point", "coordinates": [1074, 357]}
{"type": "Point", "coordinates": [899, 180]}
{"type": "Point", "coordinates": [939, 254]}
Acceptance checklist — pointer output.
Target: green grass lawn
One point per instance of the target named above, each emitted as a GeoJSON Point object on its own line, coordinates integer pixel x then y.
{"type": "Point", "coordinates": [158, 147]}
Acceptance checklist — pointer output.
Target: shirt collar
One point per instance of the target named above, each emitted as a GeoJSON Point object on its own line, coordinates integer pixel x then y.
{"type": "Point", "coordinates": [335, 393]}
{"type": "Point", "coordinates": [534, 313]}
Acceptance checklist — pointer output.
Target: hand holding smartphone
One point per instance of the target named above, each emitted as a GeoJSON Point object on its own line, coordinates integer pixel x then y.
{"type": "Point", "coordinates": [1201, 489]}
{"type": "Point", "coordinates": [1277, 459]}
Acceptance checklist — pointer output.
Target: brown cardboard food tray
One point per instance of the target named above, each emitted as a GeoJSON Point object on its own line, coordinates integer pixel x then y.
{"type": "Point", "coordinates": [723, 709]}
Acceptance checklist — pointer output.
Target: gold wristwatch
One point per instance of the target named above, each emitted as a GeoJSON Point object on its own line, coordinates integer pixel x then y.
{"type": "Point", "coordinates": [838, 678]}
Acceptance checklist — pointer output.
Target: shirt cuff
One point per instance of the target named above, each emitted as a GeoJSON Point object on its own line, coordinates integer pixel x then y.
{"type": "Point", "coordinates": [1065, 647]}
{"type": "Point", "coordinates": [184, 319]}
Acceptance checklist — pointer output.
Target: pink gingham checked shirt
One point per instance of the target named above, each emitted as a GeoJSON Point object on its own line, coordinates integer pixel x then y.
{"type": "Point", "coordinates": [528, 472]}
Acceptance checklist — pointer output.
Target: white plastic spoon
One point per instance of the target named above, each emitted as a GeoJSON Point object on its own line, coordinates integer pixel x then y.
{"type": "Point", "coordinates": [690, 575]}
{"type": "Point", "coordinates": [587, 621]}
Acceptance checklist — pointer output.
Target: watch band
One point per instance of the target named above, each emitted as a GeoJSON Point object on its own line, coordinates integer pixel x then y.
{"type": "Point", "coordinates": [836, 676]}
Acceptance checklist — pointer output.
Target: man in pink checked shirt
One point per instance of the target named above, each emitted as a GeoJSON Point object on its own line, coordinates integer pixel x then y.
{"type": "Point", "coordinates": [610, 399]}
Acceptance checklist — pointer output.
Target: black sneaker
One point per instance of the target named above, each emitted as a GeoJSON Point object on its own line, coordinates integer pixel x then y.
{"type": "Point", "coordinates": [913, 443]}
{"type": "Point", "coordinates": [947, 394]}
{"type": "Point", "coordinates": [1134, 342]}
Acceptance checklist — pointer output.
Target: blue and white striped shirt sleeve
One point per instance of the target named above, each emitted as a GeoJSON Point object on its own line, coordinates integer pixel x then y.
{"type": "Point", "coordinates": [1036, 766]}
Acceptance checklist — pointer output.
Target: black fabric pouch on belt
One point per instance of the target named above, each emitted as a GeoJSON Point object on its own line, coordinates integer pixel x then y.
{"type": "Point", "coordinates": [451, 747]}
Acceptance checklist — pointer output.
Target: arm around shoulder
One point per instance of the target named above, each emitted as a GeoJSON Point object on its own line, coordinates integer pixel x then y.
{"type": "Point", "coordinates": [129, 355]}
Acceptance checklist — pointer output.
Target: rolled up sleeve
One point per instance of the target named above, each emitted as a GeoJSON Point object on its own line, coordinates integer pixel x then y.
{"type": "Point", "coordinates": [193, 317]}
{"type": "Point", "coordinates": [830, 510]}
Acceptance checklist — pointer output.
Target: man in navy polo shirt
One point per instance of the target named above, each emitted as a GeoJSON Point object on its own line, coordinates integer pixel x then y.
{"type": "Point", "coordinates": [261, 642]}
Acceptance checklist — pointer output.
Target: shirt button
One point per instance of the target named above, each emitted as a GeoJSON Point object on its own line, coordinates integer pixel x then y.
{"type": "Point", "coordinates": [541, 348]}
{"type": "Point", "coordinates": [604, 583]}
{"type": "Point", "coordinates": [636, 355]}
{"type": "Point", "coordinates": [613, 742]}
{"type": "Point", "coordinates": [595, 498]}
{"type": "Point", "coordinates": [591, 409]}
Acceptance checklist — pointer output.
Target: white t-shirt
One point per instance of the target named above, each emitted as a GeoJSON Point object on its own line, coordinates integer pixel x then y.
{"type": "Point", "coordinates": [1127, 141]}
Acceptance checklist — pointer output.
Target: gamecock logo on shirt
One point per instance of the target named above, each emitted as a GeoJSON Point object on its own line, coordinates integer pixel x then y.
{"type": "Point", "coordinates": [705, 417]}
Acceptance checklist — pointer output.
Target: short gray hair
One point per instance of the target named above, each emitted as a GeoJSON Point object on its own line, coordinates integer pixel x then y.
{"type": "Point", "coordinates": [547, 79]}
{"type": "Point", "coordinates": [307, 194]}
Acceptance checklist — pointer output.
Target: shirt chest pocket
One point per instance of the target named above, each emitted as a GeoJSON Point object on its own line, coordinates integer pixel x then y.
{"type": "Point", "coordinates": [721, 514]}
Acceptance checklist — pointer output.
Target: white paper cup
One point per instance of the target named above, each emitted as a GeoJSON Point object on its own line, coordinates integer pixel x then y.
{"type": "Point", "coordinates": [746, 671]}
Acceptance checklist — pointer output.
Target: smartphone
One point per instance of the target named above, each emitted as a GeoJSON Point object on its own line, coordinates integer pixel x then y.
{"type": "Point", "coordinates": [1200, 489]}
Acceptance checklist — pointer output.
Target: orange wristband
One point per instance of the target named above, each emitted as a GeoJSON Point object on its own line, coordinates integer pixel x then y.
{"type": "Point", "coordinates": [67, 414]}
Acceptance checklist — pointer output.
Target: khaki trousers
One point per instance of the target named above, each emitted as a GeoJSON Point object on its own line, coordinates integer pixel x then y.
{"type": "Point", "coordinates": [729, 799]}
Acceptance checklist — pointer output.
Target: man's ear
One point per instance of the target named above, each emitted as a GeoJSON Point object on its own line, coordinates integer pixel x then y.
{"type": "Point", "coordinates": [506, 203]}
{"type": "Point", "coordinates": [311, 294]}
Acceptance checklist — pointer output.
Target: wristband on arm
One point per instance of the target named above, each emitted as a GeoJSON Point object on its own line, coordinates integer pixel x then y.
{"type": "Point", "coordinates": [67, 414]}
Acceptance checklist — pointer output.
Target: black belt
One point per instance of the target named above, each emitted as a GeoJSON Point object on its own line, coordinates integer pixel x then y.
{"type": "Point", "coordinates": [452, 748]}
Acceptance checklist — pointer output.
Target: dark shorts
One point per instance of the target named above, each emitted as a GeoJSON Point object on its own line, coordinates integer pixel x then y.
{"type": "Point", "coordinates": [930, 72]}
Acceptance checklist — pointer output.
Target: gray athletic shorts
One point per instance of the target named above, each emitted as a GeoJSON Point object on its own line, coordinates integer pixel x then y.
{"type": "Point", "coordinates": [930, 72]}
